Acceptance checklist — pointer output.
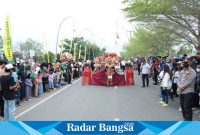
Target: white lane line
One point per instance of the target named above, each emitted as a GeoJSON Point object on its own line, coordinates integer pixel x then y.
{"type": "Point", "coordinates": [19, 115]}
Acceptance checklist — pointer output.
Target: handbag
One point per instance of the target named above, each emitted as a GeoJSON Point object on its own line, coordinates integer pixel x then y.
{"type": "Point", "coordinates": [169, 84]}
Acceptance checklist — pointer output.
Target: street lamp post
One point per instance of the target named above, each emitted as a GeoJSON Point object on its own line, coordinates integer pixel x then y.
{"type": "Point", "coordinates": [66, 18]}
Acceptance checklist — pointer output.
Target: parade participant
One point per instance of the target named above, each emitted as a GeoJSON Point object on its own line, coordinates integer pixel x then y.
{"type": "Point", "coordinates": [97, 66]}
{"type": "Point", "coordinates": [86, 78]}
{"type": "Point", "coordinates": [186, 87]}
{"type": "Point", "coordinates": [117, 66]}
{"type": "Point", "coordinates": [129, 73]}
{"type": "Point", "coordinates": [123, 63]}
{"type": "Point", "coordinates": [102, 65]}
{"type": "Point", "coordinates": [9, 88]}
{"type": "Point", "coordinates": [110, 67]}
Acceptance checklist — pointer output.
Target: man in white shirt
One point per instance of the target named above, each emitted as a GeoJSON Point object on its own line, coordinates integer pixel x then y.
{"type": "Point", "coordinates": [145, 67]}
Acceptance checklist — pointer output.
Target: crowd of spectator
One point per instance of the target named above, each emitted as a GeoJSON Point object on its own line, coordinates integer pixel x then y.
{"type": "Point", "coordinates": [23, 81]}
{"type": "Point", "coordinates": [177, 77]}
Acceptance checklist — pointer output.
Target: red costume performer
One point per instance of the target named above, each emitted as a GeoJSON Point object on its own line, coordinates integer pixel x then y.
{"type": "Point", "coordinates": [129, 74]}
{"type": "Point", "coordinates": [86, 77]}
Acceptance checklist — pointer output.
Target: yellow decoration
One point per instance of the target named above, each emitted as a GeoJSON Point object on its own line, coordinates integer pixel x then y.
{"type": "Point", "coordinates": [7, 41]}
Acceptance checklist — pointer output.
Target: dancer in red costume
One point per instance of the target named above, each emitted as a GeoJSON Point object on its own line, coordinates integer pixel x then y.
{"type": "Point", "coordinates": [129, 73]}
{"type": "Point", "coordinates": [86, 77]}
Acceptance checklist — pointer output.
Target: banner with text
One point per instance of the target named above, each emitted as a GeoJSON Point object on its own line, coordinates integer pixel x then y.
{"type": "Point", "coordinates": [99, 127]}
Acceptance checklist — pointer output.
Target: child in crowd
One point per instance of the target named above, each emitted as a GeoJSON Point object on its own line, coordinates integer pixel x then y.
{"type": "Point", "coordinates": [58, 76]}
{"type": "Point", "coordinates": [51, 77]}
{"type": "Point", "coordinates": [29, 86]}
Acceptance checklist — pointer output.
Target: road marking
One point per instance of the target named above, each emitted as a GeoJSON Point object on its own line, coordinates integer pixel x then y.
{"type": "Point", "coordinates": [19, 115]}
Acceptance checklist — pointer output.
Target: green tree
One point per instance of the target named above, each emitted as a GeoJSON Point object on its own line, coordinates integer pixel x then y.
{"type": "Point", "coordinates": [186, 49]}
{"type": "Point", "coordinates": [150, 42]}
{"type": "Point", "coordinates": [28, 45]}
{"type": "Point", "coordinates": [51, 57]}
{"type": "Point", "coordinates": [93, 50]}
{"type": "Point", "coordinates": [58, 57]}
{"type": "Point", "coordinates": [180, 17]}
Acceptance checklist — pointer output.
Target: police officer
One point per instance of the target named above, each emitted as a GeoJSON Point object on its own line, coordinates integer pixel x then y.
{"type": "Point", "coordinates": [186, 87]}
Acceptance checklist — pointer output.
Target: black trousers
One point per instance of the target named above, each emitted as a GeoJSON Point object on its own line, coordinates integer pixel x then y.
{"type": "Point", "coordinates": [186, 101]}
{"type": "Point", "coordinates": [22, 91]}
{"type": "Point", "coordinates": [196, 100]}
{"type": "Point", "coordinates": [1, 105]}
{"type": "Point", "coordinates": [145, 77]}
{"type": "Point", "coordinates": [69, 79]}
{"type": "Point", "coordinates": [155, 77]}
{"type": "Point", "coordinates": [174, 90]}
{"type": "Point", "coordinates": [45, 86]}
{"type": "Point", "coordinates": [138, 69]}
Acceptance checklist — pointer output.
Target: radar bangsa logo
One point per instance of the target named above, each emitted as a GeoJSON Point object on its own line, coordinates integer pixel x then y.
{"type": "Point", "coordinates": [126, 127]}
{"type": "Point", "coordinates": [101, 127]}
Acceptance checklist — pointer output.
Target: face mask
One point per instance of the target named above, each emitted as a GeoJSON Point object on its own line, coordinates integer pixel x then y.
{"type": "Point", "coordinates": [186, 65]}
{"type": "Point", "coordinates": [180, 68]}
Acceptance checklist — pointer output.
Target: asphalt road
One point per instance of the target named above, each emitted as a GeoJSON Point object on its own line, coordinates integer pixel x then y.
{"type": "Point", "coordinates": [77, 102]}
